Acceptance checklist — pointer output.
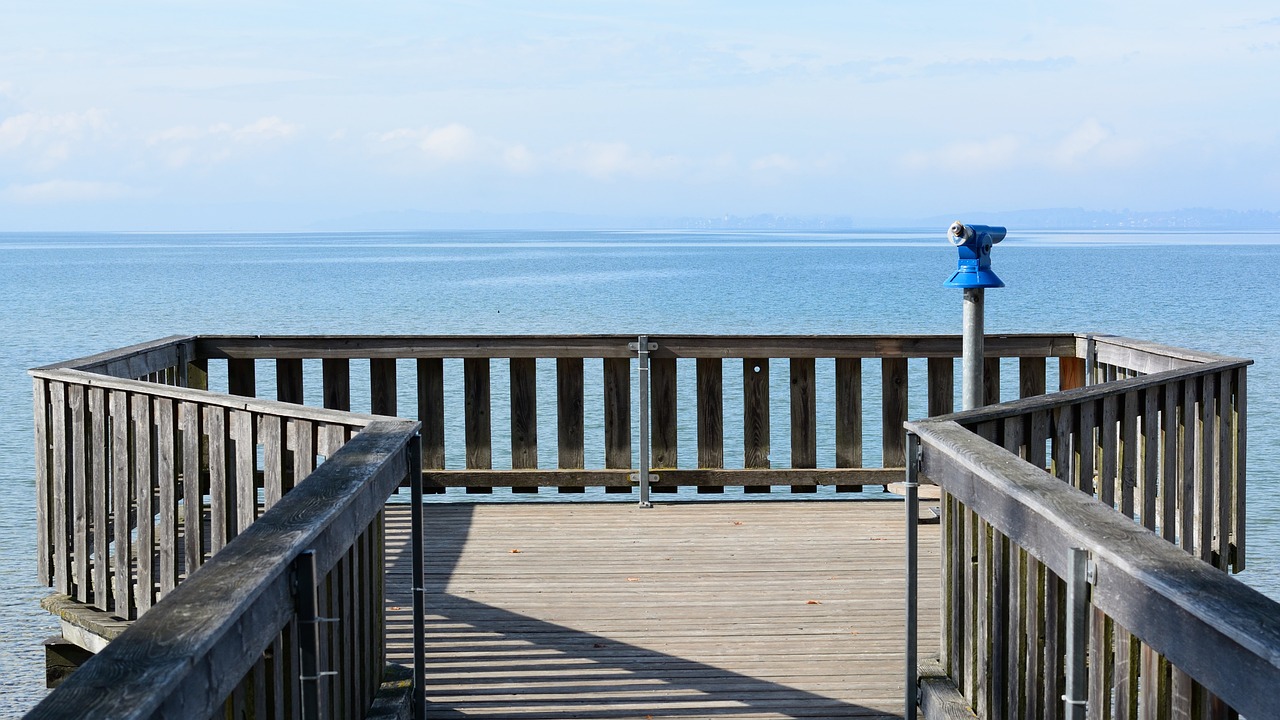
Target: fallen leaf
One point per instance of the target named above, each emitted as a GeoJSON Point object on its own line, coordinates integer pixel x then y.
{"type": "Point", "coordinates": [632, 579]}
{"type": "Point", "coordinates": [515, 550]}
{"type": "Point", "coordinates": [813, 602]}
{"type": "Point", "coordinates": [737, 522]}
{"type": "Point", "coordinates": [877, 538]}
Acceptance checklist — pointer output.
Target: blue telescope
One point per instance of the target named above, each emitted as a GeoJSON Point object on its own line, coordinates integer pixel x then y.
{"type": "Point", "coordinates": [974, 243]}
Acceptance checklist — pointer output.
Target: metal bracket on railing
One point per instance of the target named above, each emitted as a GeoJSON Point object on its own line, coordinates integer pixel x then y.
{"type": "Point", "coordinates": [1090, 360]}
{"type": "Point", "coordinates": [305, 602]}
{"type": "Point", "coordinates": [418, 562]}
{"type": "Point", "coordinates": [1081, 572]}
{"type": "Point", "coordinates": [642, 348]}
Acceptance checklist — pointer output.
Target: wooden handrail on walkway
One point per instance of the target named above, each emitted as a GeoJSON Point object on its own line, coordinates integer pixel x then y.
{"type": "Point", "coordinates": [1131, 469]}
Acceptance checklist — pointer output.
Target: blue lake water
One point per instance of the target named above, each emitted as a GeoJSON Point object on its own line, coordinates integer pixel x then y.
{"type": "Point", "coordinates": [66, 295]}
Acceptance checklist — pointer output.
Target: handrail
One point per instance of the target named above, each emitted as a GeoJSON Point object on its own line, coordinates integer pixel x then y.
{"type": "Point", "coordinates": [1218, 630]}
{"type": "Point", "coordinates": [136, 361]}
{"type": "Point", "coordinates": [190, 651]}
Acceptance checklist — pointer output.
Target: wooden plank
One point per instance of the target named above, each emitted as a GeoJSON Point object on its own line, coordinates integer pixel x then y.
{"type": "Point", "coordinates": [570, 413]}
{"type": "Point", "coordinates": [1187, 442]}
{"type": "Point", "coordinates": [1071, 373]}
{"type": "Point", "coordinates": [524, 413]}
{"type": "Point", "coordinates": [983, 596]}
{"type": "Point", "coordinates": [1015, 657]}
{"type": "Point", "coordinates": [1207, 439]}
{"type": "Point", "coordinates": [192, 487]}
{"type": "Point", "coordinates": [942, 390]}
{"type": "Point", "coordinates": [60, 468]}
{"type": "Point", "coordinates": [755, 416]}
{"type": "Point", "coordinates": [1054, 643]}
{"type": "Point", "coordinates": [244, 458]}
{"type": "Point", "coordinates": [664, 422]}
{"type": "Point", "coordinates": [100, 479]}
{"type": "Point", "coordinates": [215, 424]}
{"type": "Point", "coordinates": [121, 496]}
{"type": "Point", "coordinates": [991, 381]}
{"type": "Point", "coordinates": [1108, 432]}
{"type": "Point", "coordinates": [1127, 659]}
{"type": "Point", "coordinates": [382, 386]}
{"type": "Point", "coordinates": [1101, 667]}
{"type": "Point", "coordinates": [144, 482]}
{"type": "Point", "coordinates": [688, 477]}
{"type": "Point", "coordinates": [1064, 426]}
{"type": "Point", "coordinates": [1224, 474]}
{"type": "Point", "coordinates": [431, 410]}
{"type": "Point", "coordinates": [336, 379]}
{"type": "Point", "coordinates": [617, 412]}
{"type": "Point", "coordinates": [1038, 440]}
{"type": "Point", "coordinates": [1170, 462]}
{"type": "Point", "coordinates": [303, 434]}
{"type": "Point", "coordinates": [1034, 673]}
{"type": "Point", "coordinates": [476, 397]}
{"type": "Point", "coordinates": [710, 376]}
{"type": "Point", "coordinates": [289, 380]}
{"type": "Point", "coordinates": [1031, 377]}
{"type": "Point", "coordinates": [1128, 453]}
{"type": "Point", "coordinates": [849, 415]}
{"type": "Point", "coordinates": [1149, 483]}
{"type": "Point", "coordinates": [893, 403]}
{"type": "Point", "coordinates": [804, 417]}
{"type": "Point", "coordinates": [167, 478]}
{"type": "Point", "coordinates": [271, 437]}
{"type": "Point", "coordinates": [241, 378]}
{"type": "Point", "coordinates": [44, 486]}
{"type": "Point", "coordinates": [1240, 486]}
{"type": "Point", "coordinates": [78, 495]}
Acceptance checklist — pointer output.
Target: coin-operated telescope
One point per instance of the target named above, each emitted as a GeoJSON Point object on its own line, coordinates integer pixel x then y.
{"type": "Point", "coordinates": [974, 243]}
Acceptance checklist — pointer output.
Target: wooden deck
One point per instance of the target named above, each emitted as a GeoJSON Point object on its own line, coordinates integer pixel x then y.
{"type": "Point", "coordinates": [726, 610]}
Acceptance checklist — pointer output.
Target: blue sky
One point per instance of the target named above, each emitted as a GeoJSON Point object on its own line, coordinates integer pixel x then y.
{"type": "Point", "coordinates": [241, 115]}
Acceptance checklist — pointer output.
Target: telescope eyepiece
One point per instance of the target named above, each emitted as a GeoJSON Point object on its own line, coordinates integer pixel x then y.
{"type": "Point", "coordinates": [958, 233]}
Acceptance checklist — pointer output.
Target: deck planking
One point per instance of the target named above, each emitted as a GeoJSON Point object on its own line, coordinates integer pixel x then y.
{"type": "Point", "coordinates": [726, 610]}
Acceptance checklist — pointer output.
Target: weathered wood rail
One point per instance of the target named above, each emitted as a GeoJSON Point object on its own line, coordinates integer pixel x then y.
{"type": "Point", "coordinates": [1149, 461]}
{"type": "Point", "coordinates": [159, 460]}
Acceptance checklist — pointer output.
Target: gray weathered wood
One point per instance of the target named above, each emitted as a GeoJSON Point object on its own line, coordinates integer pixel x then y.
{"type": "Point", "coordinates": [78, 487]}
{"type": "Point", "coordinates": [168, 468]}
{"type": "Point", "coordinates": [524, 413]}
{"type": "Point", "coordinates": [271, 438]}
{"type": "Point", "coordinates": [991, 381]}
{"type": "Point", "coordinates": [289, 380]}
{"type": "Point", "coordinates": [382, 386]}
{"type": "Point", "coordinates": [710, 376]}
{"type": "Point", "coordinates": [1240, 487]}
{"type": "Point", "coordinates": [241, 378]}
{"type": "Point", "coordinates": [617, 412]}
{"type": "Point", "coordinates": [570, 412]}
{"type": "Point", "coordinates": [215, 425]}
{"type": "Point", "coordinates": [336, 383]}
{"type": "Point", "coordinates": [144, 481]}
{"type": "Point", "coordinates": [45, 490]}
{"type": "Point", "coordinates": [1128, 453]}
{"type": "Point", "coordinates": [755, 408]}
{"type": "Point", "coordinates": [664, 422]}
{"type": "Point", "coordinates": [189, 417]}
{"type": "Point", "coordinates": [804, 414]}
{"type": "Point", "coordinates": [1031, 377]}
{"type": "Point", "coordinates": [60, 469]}
{"type": "Point", "coordinates": [893, 401]}
{"type": "Point", "coordinates": [431, 410]}
{"type": "Point", "coordinates": [687, 477]}
{"type": "Point", "coordinates": [849, 414]}
{"type": "Point", "coordinates": [942, 386]}
{"type": "Point", "coordinates": [121, 496]}
{"type": "Point", "coordinates": [1207, 440]}
{"type": "Point", "coordinates": [100, 480]}
{"type": "Point", "coordinates": [244, 460]}
{"type": "Point", "coordinates": [476, 421]}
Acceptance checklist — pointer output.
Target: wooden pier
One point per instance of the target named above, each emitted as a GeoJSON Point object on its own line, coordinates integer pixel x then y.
{"type": "Point", "coordinates": [606, 610]}
{"type": "Point", "coordinates": [257, 557]}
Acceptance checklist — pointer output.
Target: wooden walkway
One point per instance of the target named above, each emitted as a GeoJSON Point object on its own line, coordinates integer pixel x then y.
{"type": "Point", "coordinates": [693, 610]}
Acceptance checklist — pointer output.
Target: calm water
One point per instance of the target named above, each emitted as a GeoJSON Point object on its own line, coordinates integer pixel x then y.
{"type": "Point", "coordinates": [69, 295]}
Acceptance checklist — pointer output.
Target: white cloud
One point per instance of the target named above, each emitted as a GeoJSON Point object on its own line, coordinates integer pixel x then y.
{"type": "Point", "coordinates": [47, 139]}
{"type": "Point", "coordinates": [605, 161]}
{"type": "Point", "coordinates": [1089, 144]}
{"type": "Point", "coordinates": [451, 143]}
{"type": "Point", "coordinates": [775, 162]}
{"type": "Point", "coordinates": [184, 145]}
{"type": "Point", "coordinates": [60, 191]}
{"type": "Point", "coordinates": [266, 129]}
{"type": "Point", "coordinates": [1079, 143]}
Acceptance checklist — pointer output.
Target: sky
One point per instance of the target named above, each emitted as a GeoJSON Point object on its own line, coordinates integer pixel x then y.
{"type": "Point", "coordinates": [268, 115]}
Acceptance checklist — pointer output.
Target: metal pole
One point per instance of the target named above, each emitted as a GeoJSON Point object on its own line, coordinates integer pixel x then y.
{"type": "Point", "coordinates": [1076, 697]}
{"type": "Point", "coordinates": [305, 603]}
{"type": "Point", "coordinates": [642, 348]}
{"type": "Point", "coordinates": [419, 581]}
{"type": "Point", "coordinates": [911, 487]}
{"type": "Point", "coordinates": [973, 348]}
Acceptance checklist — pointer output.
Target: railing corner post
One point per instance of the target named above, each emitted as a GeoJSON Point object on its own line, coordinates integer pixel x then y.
{"type": "Point", "coordinates": [911, 489]}
{"type": "Point", "coordinates": [642, 348]}
{"type": "Point", "coordinates": [1076, 696]}
{"type": "Point", "coordinates": [305, 605]}
{"type": "Point", "coordinates": [414, 450]}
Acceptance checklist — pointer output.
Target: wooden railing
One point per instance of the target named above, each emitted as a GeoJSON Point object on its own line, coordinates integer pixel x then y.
{"type": "Point", "coordinates": [708, 413]}
{"type": "Point", "coordinates": [1149, 461]}
{"type": "Point", "coordinates": [234, 639]}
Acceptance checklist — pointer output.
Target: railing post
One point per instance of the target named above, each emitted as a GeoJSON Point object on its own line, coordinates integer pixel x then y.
{"type": "Point", "coordinates": [911, 488]}
{"type": "Point", "coordinates": [974, 348]}
{"type": "Point", "coordinates": [1090, 359]}
{"type": "Point", "coordinates": [642, 348]}
{"type": "Point", "coordinates": [305, 602]}
{"type": "Point", "coordinates": [414, 450]}
{"type": "Point", "coordinates": [1076, 696]}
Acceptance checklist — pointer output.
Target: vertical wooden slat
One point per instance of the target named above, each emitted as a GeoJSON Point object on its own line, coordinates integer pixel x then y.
{"type": "Point", "coordinates": [570, 408]}
{"type": "Point", "coordinates": [167, 469]}
{"type": "Point", "coordinates": [197, 374]}
{"type": "Point", "coordinates": [662, 412]}
{"type": "Point", "coordinates": [241, 377]}
{"type": "Point", "coordinates": [44, 486]}
{"type": "Point", "coordinates": [60, 489]}
{"type": "Point", "coordinates": [1187, 477]}
{"type": "Point", "coordinates": [893, 403]}
{"type": "Point", "coordinates": [1225, 470]}
{"type": "Point", "coordinates": [121, 498]}
{"type": "Point", "coordinates": [1054, 595]}
{"type": "Point", "coordinates": [336, 378]}
{"type": "Point", "coordinates": [710, 376]}
{"type": "Point", "coordinates": [710, 431]}
{"type": "Point", "coordinates": [269, 434]}
{"type": "Point", "coordinates": [1033, 676]}
{"type": "Point", "coordinates": [1015, 658]}
{"type": "Point", "coordinates": [972, 668]}
{"type": "Point", "coordinates": [476, 393]}
{"type": "Point", "coordinates": [382, 386]}
{"type": "Point", "coordinates": [1128, 453]}
{"type": "Point", "coordinates": [1087, 440]}
{"type": "Point", "coordinates": [755, 417]}
{"type": "Point", "coordinates": [942, 390]}
{"type": "Point", "coordinates": [1031, 376]}
{"type": "Point", "coordinates": [192, 492]}
{"type": "Point", "coordinates": [215, 423]}
{"type": "Point", "coordinates": [143, 483]}
{"type": "Point", "coordinates": [246, 458]}
{"type": "Point", "coordinates": [1149, 485]}
{"type": "Point", "coordinates": [1154, 687]}
{"type": "Point", "coordinates": [991, 381]}
{"type": "Point", "coordinates": [848, 417]}
{"type": "Point", "coordinates": [289, 380]}
{"type": "Point", "coordinates": [1182, 703]}
{"type": "Point", "coordinates": [983, 629]}
{"type": "Point", "coordinates": [1101, 679]}
{"type": "Point", "coordinates": [1109, 431]}
{"type": "Point", "coordinates": [1207, 438]}
{"type": "Point", "coordinates": [431, 411]}
{"type": "Point", "coordinates": [78, 499]}
{"type": "Point", "coordinates": [304, 447]}
{"type": "Point", "coordinates": [100, 482]}
{"type": "Point", "coordinates": [1170, 462]}
{"type": "Point", "coordinates": [804, 418]}
{"type": "Point", "coordinates": [524, 416]}
{"type": "Point", "coordinates": [1238, 488]}
{"type": "Point", "coordinates": [617, 417]}
{"type": "Point", "coordinates": [1071, 373]}
{"type": "Point", "coordinates": [1064, 426]}
{"type": "Point", "coordinates": [1038, 439]}
{"type": "Point", "coordinates": [1126, 687]}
